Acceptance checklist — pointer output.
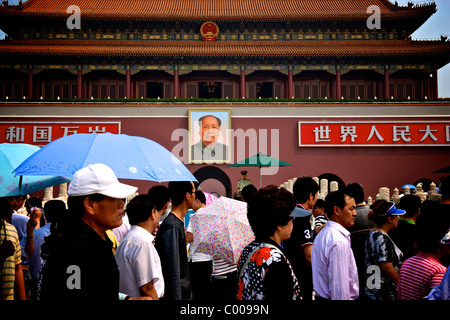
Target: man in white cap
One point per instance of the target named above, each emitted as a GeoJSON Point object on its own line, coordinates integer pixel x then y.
{"type": "Point", "coordinates": [80, 262]}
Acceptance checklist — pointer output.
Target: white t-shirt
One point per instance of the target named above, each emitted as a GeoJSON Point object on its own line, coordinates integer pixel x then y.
{"type": "Point", "coordinates": [196, 256]}
{"type": "Point", "coordinates": [139, 263]}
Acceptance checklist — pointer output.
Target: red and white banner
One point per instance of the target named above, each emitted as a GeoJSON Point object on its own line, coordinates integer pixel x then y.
{"type": "Point", "coordinates": [40, 133]}
{"type": "Point", "coordinates": [374, 134]}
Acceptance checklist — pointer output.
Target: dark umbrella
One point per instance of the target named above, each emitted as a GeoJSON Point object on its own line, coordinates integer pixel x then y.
{"type": "Point", "coordinates": [260, 160]}
{"type": "Point", "coordinates": [443, 170]}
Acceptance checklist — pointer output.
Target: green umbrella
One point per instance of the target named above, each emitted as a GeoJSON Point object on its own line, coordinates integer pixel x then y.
{"type": "Point", "coordinates": [443, 170]}
{"type": "Point", "coordinates": [260, 160]}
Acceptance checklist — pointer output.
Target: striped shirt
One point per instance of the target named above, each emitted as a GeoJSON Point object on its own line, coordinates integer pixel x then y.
{"type": "Point", "coordinates": [418, 276]}
{"type": "Point", "coordinates": [221, 267]}
{"type": "Point", "coordinates": [8, 270]}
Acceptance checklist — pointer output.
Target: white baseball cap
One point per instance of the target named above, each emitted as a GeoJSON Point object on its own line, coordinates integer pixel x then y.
{"type": "Point", "coordinates": [99, 178]}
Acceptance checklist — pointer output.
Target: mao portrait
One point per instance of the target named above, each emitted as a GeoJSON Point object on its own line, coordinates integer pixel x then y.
{"type": "Point", "coordinates": [209, 136]}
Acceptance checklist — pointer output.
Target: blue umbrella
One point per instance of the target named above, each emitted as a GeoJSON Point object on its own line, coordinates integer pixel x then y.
{"type": "Point", "coordinates": [11, 155]}
{"type": "Point", "coordinates": [411, 186]}
{"type": "Point", "coordinates": [130, 157]}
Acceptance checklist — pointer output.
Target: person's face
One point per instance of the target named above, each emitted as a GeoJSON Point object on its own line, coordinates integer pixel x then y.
{"type": "Point", "coordinates": [107, 213]}
{"type": "Point", "coordinates": [191, 196]}
{"type": "Point", "coordinates": [347, 214]}
{"type": "Point", "coordinates": [209, 130]}
{"type": "Point", "coordinates": [285, 231]}
{"type": "Point", "coordinates": [318, 211]}
{"type": "Point", "coordinates": [8, 205]}
{"type": "Point", "coordinates": [394, 221]}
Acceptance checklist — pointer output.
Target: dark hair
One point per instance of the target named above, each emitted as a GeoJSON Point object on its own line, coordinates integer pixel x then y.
{"type": "Point", "coordinates": [335, 199]}
{"type": "Point", "coordinates": [140, 209]}
{"type": "Point", "coordinates": [410, 203]}
{"type": "Point", "coordinates": [378, 213]}
{"type": "Point", "coordinates": [356, 190]}
{"type": "Point", "coordinates": [303, 187]}
{"type": "Point", "coordinates": [248, 191]}
{"type": "Point", "coordinates": [35, 202]}
{"type": "Point", "coordinates": [431, 225]}
{"type": "Point", "coordinates": [200, 196]}
{"type": "Point", "coordinates": [159, 195]}
{"type": "Point", "coordinates": [54, 210]}
{"type": "Point", "coordinates": [200, 121]}
{"type": "Point", "coordinates": [268, 208]}
{"type": "Point", "coordinates": [178, 190]}
{"type": "Point", "coordinates": [320, 203]}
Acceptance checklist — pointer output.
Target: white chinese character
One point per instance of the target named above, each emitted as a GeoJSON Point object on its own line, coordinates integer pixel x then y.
{"type": "Point", "coordinates": [348, 131]}
{"type": "Point", "coordinates": [374, 131]}
{"type": "Point", "coordinates": [403, 132]}
{"type": "Point", "coordinates": [447, 133]}
{"type": "Point", "coordinates": [97, 129]}
{"type": "Point", "coordinates": [70, 130]}
{"type": "Point", "coordinates": [322, 134]}
{"type": "Point", "coordinates": [15, 134]}
{"type": "Point", "coordinates": [428, 133]}
{"type": "Point", "coordinates": [42, 134]}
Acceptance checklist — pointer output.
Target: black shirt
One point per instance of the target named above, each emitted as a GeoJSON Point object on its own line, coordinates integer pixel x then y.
{"type": "Point", "coordinates": [170, 243]}
{"type": "Point", "coordinates": [80, 265]}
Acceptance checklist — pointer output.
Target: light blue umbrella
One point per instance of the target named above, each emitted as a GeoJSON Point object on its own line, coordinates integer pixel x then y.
{"type": "Point", "coordinates": [130, 157]}
{"type": "Point", "coordinates": [11, 155]}
{"type": "Point", "coordinates": [411, 186]}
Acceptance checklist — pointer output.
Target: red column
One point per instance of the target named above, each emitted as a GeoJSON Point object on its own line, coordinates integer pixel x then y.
{"type": "Point", "coordinates": [128, 83]}
{"type": "Point", "coordinates": [242, 93]}
{"type": "Point", "coordinates": [386, 84]}
{"type": "Point", "coordinates": [176, 84]}
{"type": "Point", "coordinates": [338, 84]}
{"type": "Point", "coordinates": [30, 82]}
{"type": "Point", "coordinates": [290, 91]}
{"type": "Point", "coordinates": [435, 85]}
{"type": "Point", "coordinates": [79, 84]}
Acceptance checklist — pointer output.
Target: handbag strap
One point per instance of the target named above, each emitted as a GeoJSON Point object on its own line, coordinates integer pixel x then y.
{"type": "Point", "coordinates": [261, 245]}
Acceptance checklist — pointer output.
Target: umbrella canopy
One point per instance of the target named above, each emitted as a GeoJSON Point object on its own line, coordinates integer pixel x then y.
{"type": "Point", "coordinates": [443, 170]}
{"type": "Point", "coordinates": [210, 198]}
{"type": "Point", "coordinates": [261, 160]}
{"type": "Point", "coordinates": [130, 157]}
{"type": "Point", "coordinates": [411, 186]}
{"type": "Point", "coordinates": [11, 155]}
{"type": "Point", "coordinates": [222, 230]}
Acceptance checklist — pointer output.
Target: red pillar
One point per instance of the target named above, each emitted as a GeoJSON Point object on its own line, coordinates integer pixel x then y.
{"type": "Point", "coordinates": [435, 85]}
{"type": "Point", "coordinates": [79, 84]}
{"type": "Point", "coordinates": [176, 84]}
{"type": "Point", "coordinates": [242, 93]}
{"type": "Point", "coordinates": [386, 84]}
{"type": "Point", "coordinates": [30, 82]}
{"type": "Point", "coordinates": [338, 84]}
{"type": "Point", "coordinates": [290, 91]}
{"type": "Point", "coordinates": [128, 83]}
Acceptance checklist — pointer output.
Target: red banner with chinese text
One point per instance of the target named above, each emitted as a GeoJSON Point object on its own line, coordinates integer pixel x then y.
{"type": "Point", "coordinates": [40, 133]}
{"type": "Point", "coordinates": [374, 133]}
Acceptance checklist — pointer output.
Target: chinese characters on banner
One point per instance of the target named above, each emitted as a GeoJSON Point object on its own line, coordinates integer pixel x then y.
{"type": "Point", "coordinates": [40, 133]}
{"type": "Point", "coordinates": [374, 133]}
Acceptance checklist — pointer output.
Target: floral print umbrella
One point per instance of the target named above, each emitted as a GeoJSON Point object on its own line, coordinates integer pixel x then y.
{"type": "Point", "coordinates": [222, 230]}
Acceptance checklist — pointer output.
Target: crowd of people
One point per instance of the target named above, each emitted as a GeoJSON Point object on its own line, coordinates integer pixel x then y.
{"type": "Point", "coordinates": [304, 249]}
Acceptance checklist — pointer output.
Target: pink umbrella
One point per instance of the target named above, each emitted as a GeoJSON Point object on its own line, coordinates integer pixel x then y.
{"type": "Point", "coordinates": [222, 230]}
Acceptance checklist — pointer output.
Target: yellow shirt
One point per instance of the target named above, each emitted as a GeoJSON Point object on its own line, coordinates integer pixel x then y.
{"type": "Point", "coordinates": [8, 270]}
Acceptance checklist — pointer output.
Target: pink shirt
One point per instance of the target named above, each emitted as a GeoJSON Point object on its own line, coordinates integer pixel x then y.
{"type": "Point", "coordinates": [418, 275]}
{"type": "Point", "coordinates": [335, 275]}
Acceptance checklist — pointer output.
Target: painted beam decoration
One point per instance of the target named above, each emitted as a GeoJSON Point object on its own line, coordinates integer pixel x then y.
{"type": "Point", "coordinates": [40, 132]}
{"type": "Point", "coordinates": [374, 134]}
